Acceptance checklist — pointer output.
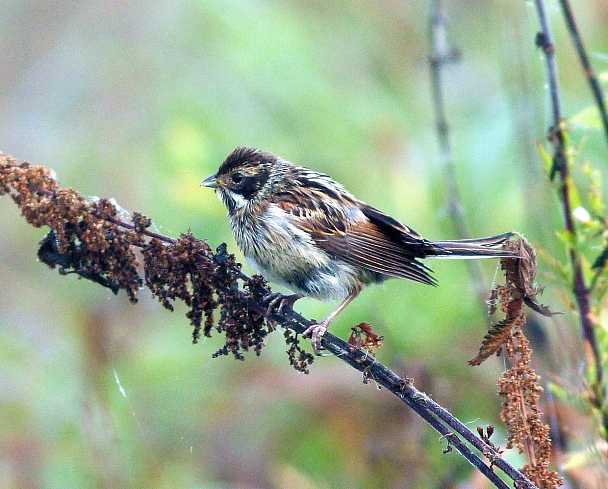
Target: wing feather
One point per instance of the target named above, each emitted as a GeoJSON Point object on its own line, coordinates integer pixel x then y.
{"type": "Point", "coordinates": [357, 233]}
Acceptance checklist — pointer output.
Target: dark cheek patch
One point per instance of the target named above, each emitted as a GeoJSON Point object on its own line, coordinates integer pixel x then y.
{"type": "Point", "coordinates": [251, 184]}
{"type": "Point", "coordinates": [248, 187]}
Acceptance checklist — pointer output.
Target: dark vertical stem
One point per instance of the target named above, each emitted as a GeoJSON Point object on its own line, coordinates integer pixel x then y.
{"type": "Point", "coordinates": [443, 54]}
{"type": "Point", "coordinates": [544, 40]}
{"type": "Point", "coordinates": [594, 84]}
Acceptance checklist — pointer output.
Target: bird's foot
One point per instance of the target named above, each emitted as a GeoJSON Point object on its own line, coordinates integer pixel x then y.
{"type": "Point", "coordinates": [277, 301]}
{"type": "Point", "coordinates": [316, 332]}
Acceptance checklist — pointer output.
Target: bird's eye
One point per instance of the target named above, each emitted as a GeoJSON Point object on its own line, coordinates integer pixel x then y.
{"type": "Point", "coordinates": [237, 178]}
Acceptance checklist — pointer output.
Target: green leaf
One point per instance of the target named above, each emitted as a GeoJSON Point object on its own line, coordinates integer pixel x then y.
{"type": "Point", "coordinates": [588, 118]}
{"type": "Point", "coordinates": [575, 198]}
{"type": "Point", "coordinates": [567, 238]}
{"type": "Point", "coordinates": [595, 188]}
{"type": "Point", "coordinates": [546, 157]}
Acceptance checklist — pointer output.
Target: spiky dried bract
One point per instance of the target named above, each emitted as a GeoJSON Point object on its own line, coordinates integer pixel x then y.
{"type": "Point", "coordinates": [493, 340]}
{"type": "Point", "coordinates": [521, 414]}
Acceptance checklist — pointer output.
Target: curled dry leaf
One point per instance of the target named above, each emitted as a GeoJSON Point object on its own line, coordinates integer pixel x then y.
{"type": "Point", "coordinates": [519, 289]}
{"type": "Point", "coordinates": [523, 277]}
{"type": "Point", "coordinates": [492, 341]}
{"type": "Point", "coordinates": [363, 336]}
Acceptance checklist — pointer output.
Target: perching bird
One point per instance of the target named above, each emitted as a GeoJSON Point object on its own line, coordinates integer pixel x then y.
{"type": "Point", "coordinates": [301, 229]}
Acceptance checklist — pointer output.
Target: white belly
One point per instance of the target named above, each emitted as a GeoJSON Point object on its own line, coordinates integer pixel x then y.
{"type": "Point", "coordinates": [284, 254]}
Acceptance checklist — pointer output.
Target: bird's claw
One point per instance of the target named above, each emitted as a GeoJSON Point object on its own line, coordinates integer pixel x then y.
{"type": "Point", "coordinates": [316, 332]}
{"type": "Point", "coordinates": [277, 301]}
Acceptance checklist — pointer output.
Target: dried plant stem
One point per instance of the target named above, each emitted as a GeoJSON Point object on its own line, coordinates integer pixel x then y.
{"type": "Point", "coordinates": [594, 84]}
{"type": "Point", "coordinates": [521, 399]}
{"type": "Point", "coordinates": [522, 407]}
{"type": "Point", "coordinates": [442, 55]}
{"type": "Point", "coordinates": [560, 166]}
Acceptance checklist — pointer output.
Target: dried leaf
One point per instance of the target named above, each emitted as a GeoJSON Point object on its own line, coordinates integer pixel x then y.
{"type": "Point", "coordinates": [363, 336]}
{"type": "Point", "coordinates": [528, 268]}
{"type": "Point", "coordinates": [519, 289]}
{"type": "Point", "coordinates": [492, 341]}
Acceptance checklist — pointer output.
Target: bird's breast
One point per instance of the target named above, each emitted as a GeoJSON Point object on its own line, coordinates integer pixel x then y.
{"type": "Point", "coordinates": [271, 240]}
{"type": "Point", "coordinates": [285, 254]}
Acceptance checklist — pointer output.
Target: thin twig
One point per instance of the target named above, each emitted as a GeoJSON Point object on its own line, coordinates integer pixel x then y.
{"type": "Point", "coordinates": [594, 84]}
{"type": "Point", "coordinates": [442, 55]}
{"type": "Point", "coordinates": [544, 40]}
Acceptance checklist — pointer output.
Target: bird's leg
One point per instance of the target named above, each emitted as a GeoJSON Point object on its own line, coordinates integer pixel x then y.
{"type": "Point", "coordinates": [275, 299]}
{"type": "Point", "coordinates": [316, 331]}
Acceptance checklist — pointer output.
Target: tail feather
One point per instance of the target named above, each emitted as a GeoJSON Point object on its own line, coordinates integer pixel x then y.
{"type": "Point", "coordinates": [490, 247]}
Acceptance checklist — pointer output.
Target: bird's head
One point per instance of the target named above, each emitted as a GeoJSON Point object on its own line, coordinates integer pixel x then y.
{"type": "Point", "coordinates": [247, 175]}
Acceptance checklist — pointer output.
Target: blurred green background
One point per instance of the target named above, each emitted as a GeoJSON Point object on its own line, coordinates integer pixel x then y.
{"type": "Point", "coordinates": [140, 101]}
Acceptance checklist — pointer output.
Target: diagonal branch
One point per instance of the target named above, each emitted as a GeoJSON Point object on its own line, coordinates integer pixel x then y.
{"type": "Point", "coordinates": [435, 415]}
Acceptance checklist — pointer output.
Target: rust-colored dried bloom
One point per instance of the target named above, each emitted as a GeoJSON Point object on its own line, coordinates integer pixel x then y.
{"type": "Point", "coordinates": [88, 239]}
{"type": "Point", "coordinates": [521, 414]}
{"type": "Point", "coordinates": [89, 244]}
{"type": "Point", "coordinates": [363, 336]}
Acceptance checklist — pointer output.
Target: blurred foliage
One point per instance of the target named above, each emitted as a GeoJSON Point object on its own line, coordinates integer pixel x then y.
{"type": "Point", "coordinates": [140, 101]}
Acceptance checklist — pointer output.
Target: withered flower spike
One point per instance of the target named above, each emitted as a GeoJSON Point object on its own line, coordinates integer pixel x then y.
{"type": "Point", "coordinates": [88, 239]}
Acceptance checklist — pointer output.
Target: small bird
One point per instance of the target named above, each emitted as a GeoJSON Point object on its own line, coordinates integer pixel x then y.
{"type": "Point", "coordinates": [299, 228]}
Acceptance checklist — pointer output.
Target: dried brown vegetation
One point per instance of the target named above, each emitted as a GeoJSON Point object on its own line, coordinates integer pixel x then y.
{"type": "Point", "coordinates": [88, 239]}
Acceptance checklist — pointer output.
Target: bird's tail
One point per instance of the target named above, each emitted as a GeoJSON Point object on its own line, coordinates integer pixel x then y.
{"type": "Point", "coordinates": [491, 247]}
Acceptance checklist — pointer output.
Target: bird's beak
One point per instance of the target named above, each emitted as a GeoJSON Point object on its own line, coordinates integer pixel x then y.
{"type": "Point", "coordinates": [210, 182]}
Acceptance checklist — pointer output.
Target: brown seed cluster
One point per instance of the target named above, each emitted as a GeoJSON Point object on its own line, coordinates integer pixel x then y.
{"type": "Point", "coordinates": [521, 414]}
{"type": "Point", "coordinates": [183, 270]}
{"type": "Point", "coordinates": [87, 238]}
{"type": "Point", "coordinates": [84, 239]}
{"type": "Point", "coordinates": [245, 327]}
{"type": "Point", "coordinates": [299, 358]}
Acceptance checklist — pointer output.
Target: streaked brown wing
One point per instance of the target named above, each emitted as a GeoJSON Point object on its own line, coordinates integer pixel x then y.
{"type": "Point", "coordinates": [378, 242]}
{"type": "Point", "coordinates": [397, 230]}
